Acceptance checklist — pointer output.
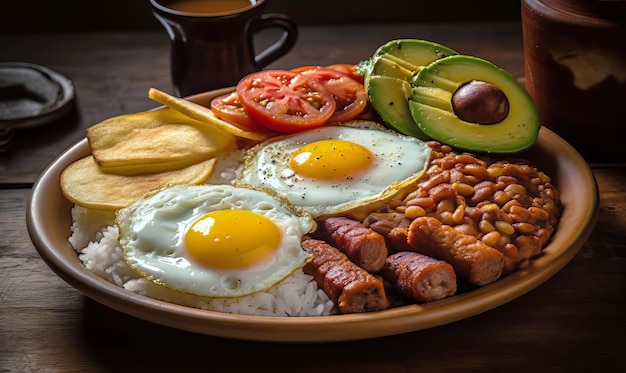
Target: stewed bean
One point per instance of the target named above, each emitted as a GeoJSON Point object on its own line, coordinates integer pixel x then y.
{"type": "Point", "coordinates": [509, 205]}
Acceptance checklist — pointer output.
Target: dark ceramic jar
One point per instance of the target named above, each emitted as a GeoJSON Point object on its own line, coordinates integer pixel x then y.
{"type": "Point", "coordinates": [575, 61]}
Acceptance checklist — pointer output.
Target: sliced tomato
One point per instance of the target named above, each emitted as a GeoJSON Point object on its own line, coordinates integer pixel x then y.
{"type": "Point", "coordinates": [350, 70]}
{"type": "Point", "coordinates": [228, 108]}
{"type": "Point", "coordinates": [285, 101]}
{"type": "Point", "coordinates": [349, 94]}
{"type": "Point", "coordinates": [300, 69]}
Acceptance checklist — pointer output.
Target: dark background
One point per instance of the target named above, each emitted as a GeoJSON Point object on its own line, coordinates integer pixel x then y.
{"type": "Point", "coordinates": [116, 15]}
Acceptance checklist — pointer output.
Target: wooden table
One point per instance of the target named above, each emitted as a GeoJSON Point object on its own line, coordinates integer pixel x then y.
{"type": "Point", "coordinates": [573, 322]}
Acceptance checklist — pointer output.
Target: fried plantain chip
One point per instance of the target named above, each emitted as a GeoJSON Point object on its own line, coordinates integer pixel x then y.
{"type": "Point", "coordinates": [84, 183]}
{"type": "Point", "coordinates": [154, 141]}
{"type": "Point", "coordinates": [205, 115]}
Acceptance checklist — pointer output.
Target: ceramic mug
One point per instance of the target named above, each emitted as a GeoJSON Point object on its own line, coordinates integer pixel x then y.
{"type": "Point", "coordinates": [214, 48]}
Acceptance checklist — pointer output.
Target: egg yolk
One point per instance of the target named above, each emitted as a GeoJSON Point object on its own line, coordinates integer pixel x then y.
{"type": "Point", "coordinates": [232, 239]}
{"type": "Point", "coordinates": [330, 159]}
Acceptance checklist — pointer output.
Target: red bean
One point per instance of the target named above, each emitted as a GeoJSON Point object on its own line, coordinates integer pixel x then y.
{"type": "Point", "coordinates": [512, 206]}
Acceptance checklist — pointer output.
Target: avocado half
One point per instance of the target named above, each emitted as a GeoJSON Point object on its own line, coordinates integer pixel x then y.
{"type": "Point", "coordinates": [388, 77]}
{"type": "Point", "coordinates": [430, 105]}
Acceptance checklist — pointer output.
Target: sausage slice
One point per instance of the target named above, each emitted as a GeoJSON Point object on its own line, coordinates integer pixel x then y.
{"type": "Point", "coordinates": [362, 245]}
{"type": "Point", "coordinates": [420, 277]}
{"type": "Point", "coordinates": [351, 287]}
{"type": "Point", "coordinates": [472, 259]}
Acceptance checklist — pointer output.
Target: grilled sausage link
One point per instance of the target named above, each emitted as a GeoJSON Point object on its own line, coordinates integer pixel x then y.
{"type": "Point", "coordinates": [420, 277]}
{"type": "Point", "coordinates": [349, 286]}
{"type": "Point", "coordinates": [393, 226]}
{"type": "Point", "coordinates": [472, 259]}
{"type": "Point", "coordinates": [361, 245]}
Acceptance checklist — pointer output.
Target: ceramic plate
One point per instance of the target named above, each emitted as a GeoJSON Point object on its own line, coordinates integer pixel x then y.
{"type": "Point", "coordinates": [49, 220]}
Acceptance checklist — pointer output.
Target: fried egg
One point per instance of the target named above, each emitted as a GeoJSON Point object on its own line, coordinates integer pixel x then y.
{"type": "Point", "coordinates": [336, 169]}
{"type": "Point", "coordinates": [212, 240]}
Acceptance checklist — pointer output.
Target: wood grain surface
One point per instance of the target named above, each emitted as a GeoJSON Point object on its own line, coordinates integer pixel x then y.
{"type": "Point", "coordinates": [574, 322]}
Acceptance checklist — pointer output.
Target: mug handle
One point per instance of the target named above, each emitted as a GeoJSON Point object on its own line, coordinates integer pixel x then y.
{"type": "Point", "coordinates": [281, 46]}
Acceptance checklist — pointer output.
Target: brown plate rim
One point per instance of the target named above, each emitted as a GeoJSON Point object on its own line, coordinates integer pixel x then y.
{"type": "Point", "coordinates": [575, 228]}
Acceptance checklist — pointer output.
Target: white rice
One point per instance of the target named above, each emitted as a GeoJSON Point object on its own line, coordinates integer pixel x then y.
{"type": "Point", "coordinates": [95, 239]}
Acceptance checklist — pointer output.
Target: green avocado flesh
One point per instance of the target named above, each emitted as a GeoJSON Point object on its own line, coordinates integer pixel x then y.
{"type": "Point", "coordinates": [430, 105]}
{"type": "Point", "coordinates": [390, 67]}
{"type": "Point", "coordinates": [413, 53]}
{"type": "Point", "coordinates": [388, 75]}
{"type": "Point", "coordinates": [390, 97]}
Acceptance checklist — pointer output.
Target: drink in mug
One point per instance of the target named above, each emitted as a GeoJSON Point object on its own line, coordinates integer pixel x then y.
{"type": "Point", "coordinates": [209, 6]}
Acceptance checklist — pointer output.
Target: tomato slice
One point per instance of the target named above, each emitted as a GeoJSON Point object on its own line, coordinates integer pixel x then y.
{"type": "Point", "coordinates": [228, 108]}
{"type": "Point", "coordinates": [300, 69]}
{"type": "Point", "coordinates": [349, 94]}
{"type": "Point", "coordinates": [350, 70]}
{"type": "Point", "coordinates": [285, 101]}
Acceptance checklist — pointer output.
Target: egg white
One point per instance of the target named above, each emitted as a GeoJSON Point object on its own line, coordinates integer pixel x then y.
{"type": "Point", "coordinates": [399, 161]}
{"type": "Point", "coordinates": [152, 231]}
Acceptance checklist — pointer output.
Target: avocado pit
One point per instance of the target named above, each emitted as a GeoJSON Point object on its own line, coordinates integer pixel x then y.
{"type": "Point", "coordinates": [480, 102]}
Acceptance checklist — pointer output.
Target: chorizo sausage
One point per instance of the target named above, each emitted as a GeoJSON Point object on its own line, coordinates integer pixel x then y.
{"type": "Point", "coordinates": [361, 245]}
{"type": "Point", "coordinates": [472, 259]}
{"type": "Point", "coordinates": [420, 277]}
{"type": "Point", "coordinates": [393, 226]}
{"type": "Point", "coordinates": [349, 286]}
